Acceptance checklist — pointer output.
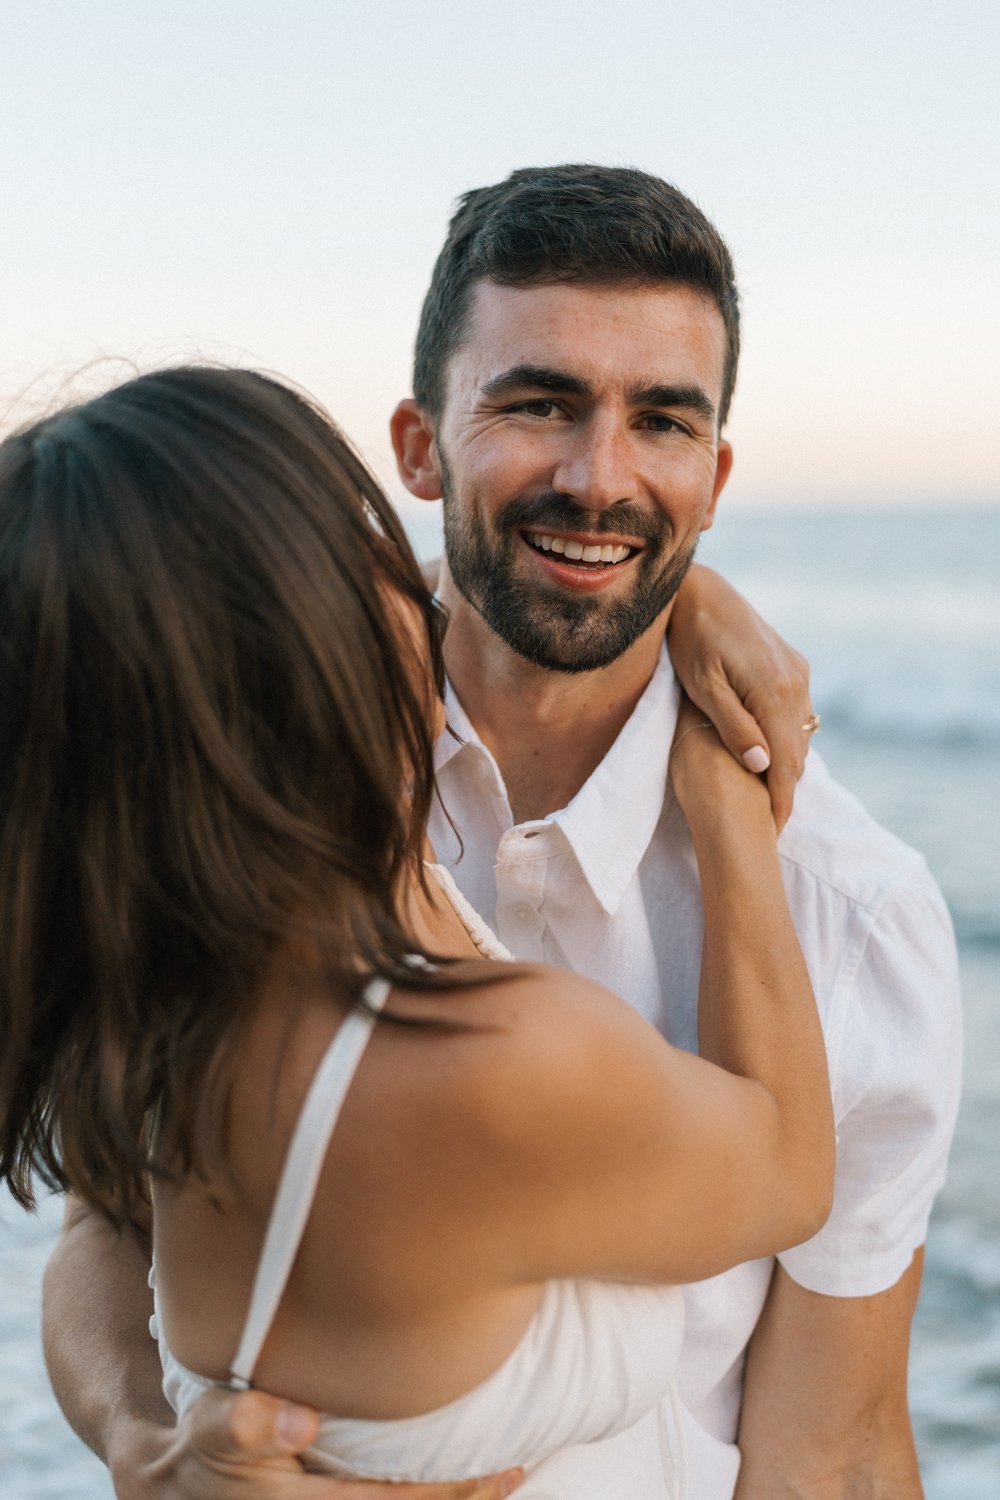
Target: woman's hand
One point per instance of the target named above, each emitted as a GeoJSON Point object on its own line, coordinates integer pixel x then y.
{"type": "Point", "coordinates": [749, 682]}
{"type": "Point", "coordinates": [710, 785]}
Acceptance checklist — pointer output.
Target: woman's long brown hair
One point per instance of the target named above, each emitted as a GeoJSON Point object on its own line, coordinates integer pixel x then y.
{"type": "Point", "coordinates": [207, 722]}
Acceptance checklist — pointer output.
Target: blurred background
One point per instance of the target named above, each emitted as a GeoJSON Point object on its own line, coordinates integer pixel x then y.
{"type": "Point", "coordinates": [269, 184]}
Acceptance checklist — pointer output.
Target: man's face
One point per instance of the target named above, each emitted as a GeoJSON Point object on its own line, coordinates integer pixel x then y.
{"type": "Point", "coordinates": [579, 461]}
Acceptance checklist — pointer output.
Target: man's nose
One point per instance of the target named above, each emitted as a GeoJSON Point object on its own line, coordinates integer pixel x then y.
{"type": "Point", "coordinates": [597, 465]}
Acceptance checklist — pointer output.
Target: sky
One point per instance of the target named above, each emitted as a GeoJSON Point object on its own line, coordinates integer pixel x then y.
{"type": "Point", "coordinates": [268, 182]}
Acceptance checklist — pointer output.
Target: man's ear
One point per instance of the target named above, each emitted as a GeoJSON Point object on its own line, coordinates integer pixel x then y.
{"type": "Point", "coordinates": [416, 450]}
{"type": "Point", "coordinates": [723, 469]}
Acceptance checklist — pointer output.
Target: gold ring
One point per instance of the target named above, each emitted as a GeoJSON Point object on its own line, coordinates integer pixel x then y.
{"type": "Point", "coordinates": [811, 725]}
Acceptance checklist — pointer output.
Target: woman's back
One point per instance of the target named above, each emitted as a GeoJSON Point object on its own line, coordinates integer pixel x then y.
{"type": "Point", "coordinates": [391, 1269]}
{"type": "Point", "coordinates": [592, 1360]}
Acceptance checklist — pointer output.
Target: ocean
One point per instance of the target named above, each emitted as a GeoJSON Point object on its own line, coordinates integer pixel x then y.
{"type": "Point", "coordinates": [899, 613]}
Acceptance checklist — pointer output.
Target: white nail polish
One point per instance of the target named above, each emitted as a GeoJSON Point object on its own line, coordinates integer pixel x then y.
{"type": "Point", "coordinates": [757, 760]}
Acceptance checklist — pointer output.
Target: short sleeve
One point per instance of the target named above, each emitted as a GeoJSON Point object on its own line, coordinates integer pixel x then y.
{"type": "Point", "coordinates": [896, 1089]}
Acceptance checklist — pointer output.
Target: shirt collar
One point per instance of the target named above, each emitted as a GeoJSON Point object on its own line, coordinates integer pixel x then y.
{"type": "Point", "coordinates": [458, 733]}
{"type": "Point", "coordinates": [610, 822]}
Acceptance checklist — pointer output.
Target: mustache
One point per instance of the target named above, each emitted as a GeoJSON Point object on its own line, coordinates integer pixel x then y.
{"type": "Point", "coordinates": [562, 514]}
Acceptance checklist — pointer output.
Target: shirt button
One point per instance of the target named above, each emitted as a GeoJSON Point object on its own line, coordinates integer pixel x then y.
{"type": "Point", "coordinates": [523, 914]}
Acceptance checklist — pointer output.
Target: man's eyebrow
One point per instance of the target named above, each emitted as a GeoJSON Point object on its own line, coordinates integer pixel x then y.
{"type": "Point", "coordinates": [535, 377]}
{"type": "Point", "coordinates": [693, 397]}
{"type": "Point", "coordinates": [561, 383]}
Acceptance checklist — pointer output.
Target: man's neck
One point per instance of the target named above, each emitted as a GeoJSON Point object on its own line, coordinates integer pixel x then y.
{"type": "Point", "coordinates": [548, 731]}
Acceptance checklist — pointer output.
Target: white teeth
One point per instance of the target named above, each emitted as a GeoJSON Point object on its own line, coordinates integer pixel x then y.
{"type": "Point", "coordinates": [576, 551]}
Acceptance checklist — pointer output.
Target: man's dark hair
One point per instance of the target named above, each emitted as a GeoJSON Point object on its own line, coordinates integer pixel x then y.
{"type": "Point", "coordinates": [582, 223]}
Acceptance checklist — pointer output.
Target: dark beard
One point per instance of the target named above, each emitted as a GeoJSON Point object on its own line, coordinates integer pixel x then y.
{"type": "Point", "coordinates": [552, 629]}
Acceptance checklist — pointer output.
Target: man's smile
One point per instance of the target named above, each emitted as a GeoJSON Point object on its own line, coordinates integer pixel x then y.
{"type": "Point", "coordinates": [582, 561]}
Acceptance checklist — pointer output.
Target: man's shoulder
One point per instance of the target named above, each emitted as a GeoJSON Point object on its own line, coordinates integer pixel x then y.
{"type": "Point", "coordinates": [833, 842]}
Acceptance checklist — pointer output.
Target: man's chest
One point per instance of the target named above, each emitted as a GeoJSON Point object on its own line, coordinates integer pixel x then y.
{"type": "Point", "coordinates": [526, 881]}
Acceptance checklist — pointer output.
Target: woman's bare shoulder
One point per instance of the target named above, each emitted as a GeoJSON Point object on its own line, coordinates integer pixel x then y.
{"type": "Point", "coordinates": [526, 1019]}
{"type": "Point", "coordinates": [496, 1058]}
{"type": "Point", "coordinates": [454, 1045]}
{"type": "Point", "coordinates": [507, 1084]}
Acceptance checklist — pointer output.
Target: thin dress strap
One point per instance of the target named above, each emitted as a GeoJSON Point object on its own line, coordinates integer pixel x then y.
{"type": "Point", "coordinates": [300, 1175]}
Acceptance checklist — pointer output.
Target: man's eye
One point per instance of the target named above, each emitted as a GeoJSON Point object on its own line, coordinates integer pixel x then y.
{"type": "Point", "coordinates": [539, 408]}
{"type": "Point", "coordinates": [657, 422]}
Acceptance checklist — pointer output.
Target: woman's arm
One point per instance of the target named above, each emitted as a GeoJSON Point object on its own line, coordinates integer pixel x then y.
{"type": "Point", "coordinates": [751, 684]}
{"type": "Point", "coordinates": [603, 1151]}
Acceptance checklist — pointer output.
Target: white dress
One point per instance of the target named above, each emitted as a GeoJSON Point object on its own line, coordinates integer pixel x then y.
{"type": "Point", "coordinates": [585, 1402]}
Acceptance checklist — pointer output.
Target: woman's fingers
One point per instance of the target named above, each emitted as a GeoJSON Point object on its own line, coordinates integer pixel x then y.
{"type": "Point", "coordinates": [738, 729]}
{"type": "Point", "coordinates": [782, 707]}
{"type": "Point", "coordinates": [765, 730]}
{"type": "Point", "coordinates": [745, 678]}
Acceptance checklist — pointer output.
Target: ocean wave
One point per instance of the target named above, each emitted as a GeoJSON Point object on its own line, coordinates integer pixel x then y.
{"type": "Point", "coordinates": [974, 931]}
{"type": "Point", "coordinates": [903, 719]}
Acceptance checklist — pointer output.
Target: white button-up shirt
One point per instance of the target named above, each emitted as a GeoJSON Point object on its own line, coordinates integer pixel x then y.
{"type": "Point", "coordinates": [608, 886]}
